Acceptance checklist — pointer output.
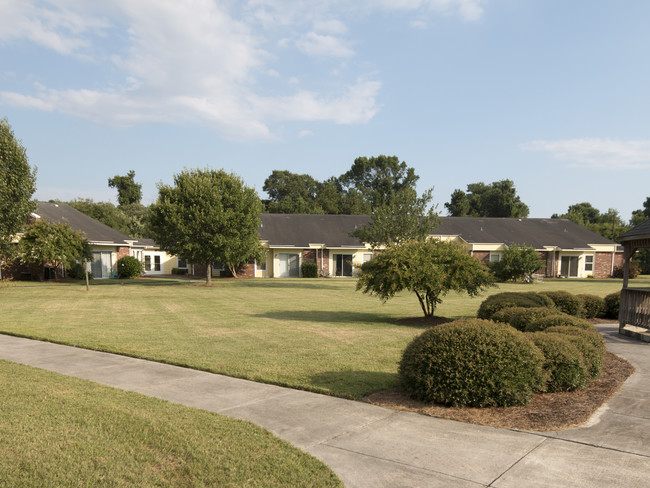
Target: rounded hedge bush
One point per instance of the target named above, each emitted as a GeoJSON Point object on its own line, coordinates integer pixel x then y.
{"type": "Point", "coordinates": [128, 267]}
{"type": "Point", "coordinates": [558, 319]}
{"type": "Point", "coordinates": [472, 362]}
{"type": "Point", "coordinates": [309, 269]}
{"type": "Point", "coordinates": [76, 272]}
{"type": "Point", "coordinates": [612, 304]}
{"type": "Point", "coordinates": [565, 301]}
{"type": "Point", "coordinates": [564, 363]}
{"type": "Point", "coordinates": [589, 342]}
{"type": "Point", "coordinates": [520, 317]}
{"type": "Point", "coordinates": [499, 301]}
{"type": "Point", "coordinates": [592, 305]}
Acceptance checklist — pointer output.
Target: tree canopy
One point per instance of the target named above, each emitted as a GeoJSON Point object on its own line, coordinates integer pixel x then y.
{"type": "Point", "coordinates": [128, 191]}
{"type": "Point", "coordinates": [430, 269]}
{"type": "Point", "coordinates": [608, 224]}
{"type": "Point", "coordinates": [498, 199]}
{"type": "Point", "coordinates": [517, 263]}
{"type": "Point", "coordinates": [17, 185]}
{"type": "Point", "coordinates": [208, 216]}
{"type": "Point", "coordinates": [53, 243]}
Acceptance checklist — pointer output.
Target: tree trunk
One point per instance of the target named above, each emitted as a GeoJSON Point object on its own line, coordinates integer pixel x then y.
{"type": "Point", "coordinates": [208, 274]}
{"type": "Point", "coordinates": [233, 271]}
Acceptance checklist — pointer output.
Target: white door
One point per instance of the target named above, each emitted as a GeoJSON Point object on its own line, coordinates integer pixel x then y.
{"type": "Point", "coordinates": [288, 265]}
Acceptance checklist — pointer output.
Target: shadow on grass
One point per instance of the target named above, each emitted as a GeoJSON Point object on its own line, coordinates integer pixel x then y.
{"type": "Point", "coordinates": [138, 282]}
{"type": "Point", "coordinates": [308, 283]}
{"type": "Point", "coordinates": [327, 316]}
{"type": "Point", "coordinates": [354, 384]}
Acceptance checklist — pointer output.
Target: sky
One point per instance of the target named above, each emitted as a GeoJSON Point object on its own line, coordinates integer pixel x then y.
{"type": "Point", "coordinates": [551, 94]}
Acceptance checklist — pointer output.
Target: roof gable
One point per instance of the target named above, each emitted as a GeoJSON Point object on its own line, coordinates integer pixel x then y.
{"type": "Point", "coordinates": [641, 231]}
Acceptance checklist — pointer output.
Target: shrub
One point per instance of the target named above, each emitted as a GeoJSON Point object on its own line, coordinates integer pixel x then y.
{"type": "Point", "coordinates": [472, 362]}
{"type": "Point", "coordinates": [635, 271]}
{"type": "Point", "coordinates": [517, 263]}
{"type": "Point", "coordinates": [520, 317]}
{"type": "Point", "coordinates": [179, 271]}
{"type": "Point", "coordinates": [544, 323]}
{"type": "Point", "coordinates": [564, 363]}
{"type": "Point", "coordinates": [76, 272]}
{"type": "Point", "coordinates": [612, 304]}
{"type": "Point", "coordinates": [128, 267]}
{"type": "Point", "coordinates": [565, 301]}
{"type": "Point", "coordinates": [590, 343]}
{"type": "Point", "coordinates": [309, 269]}
{"type": "Point", "coordinates": [592, 305]}
{"type": "Point", "coordinates": [494, 303]}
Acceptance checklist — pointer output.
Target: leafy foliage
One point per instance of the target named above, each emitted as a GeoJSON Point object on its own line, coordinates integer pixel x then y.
{"type": "Point", "coordinates": [634, 271]}
{"type": "Point", "coordinates": [499, 301]}
{"type": "Point", "coordinates": [472, 362]}
{"type": "Point", "coordinates": [498, 199]}
{"type": "Point", "coordinates": [589, 342]}
{"type": "Point", "coordinates": [565, 301]}
{"type": "Point", "coordinates": [309, 269]}
{"type": "Point", "coordinates": [563, 362]}
{"type": "Point", "coordinates": [612, 305]}
{"type": "Point", "coordinates": [53, 243]}
{"type": "Point", "coordinates": [520, 317]}
{"type": "Point", "coordinates": [430, 269]}
{"type": "Point", "coordinates": [17, 184]}
{"type": "Point", "coordinates": [208, 216]}
{"type": "Point", "coordinates": [608, 224]}
{"type": "Point", "coordinates": [128, 191]}
{"type": "Point", "coordinates": [561, 319]}
{"type": "Point", "coordinates": [128, 267]}
{"type": "Point", "coordinates": [592, 305]}
{"type": "Point", "coordinates": [517, 263]}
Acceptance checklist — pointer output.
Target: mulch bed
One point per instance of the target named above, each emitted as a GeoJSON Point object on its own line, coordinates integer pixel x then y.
{"type": "Point", "coordinates": [545, 412]}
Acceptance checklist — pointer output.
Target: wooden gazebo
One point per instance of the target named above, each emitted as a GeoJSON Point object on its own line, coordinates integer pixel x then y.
{"type": "Point", "coordinates": [634, 312]}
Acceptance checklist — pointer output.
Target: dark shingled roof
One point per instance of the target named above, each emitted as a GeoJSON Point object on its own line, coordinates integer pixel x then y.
{"type": "Point", "coordinates": [95, 231]}
{"type": "Point", "coordinates": [300, 230]}
{"type": "Point", "coordinates": [537, 233]}
{"type": "Point", "coordinates": [641, 231]}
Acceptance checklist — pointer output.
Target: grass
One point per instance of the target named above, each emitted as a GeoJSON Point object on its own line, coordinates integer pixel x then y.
{"type": "Point", "coordinates": [62, 431]}
{"type": "Point", "coordinates": [318, 335]}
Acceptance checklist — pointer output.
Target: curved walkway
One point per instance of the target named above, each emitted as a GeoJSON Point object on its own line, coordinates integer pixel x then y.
{"type": "Point", "coordinates": [369, 446]}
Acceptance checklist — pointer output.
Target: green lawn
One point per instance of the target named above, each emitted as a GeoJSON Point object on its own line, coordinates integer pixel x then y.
{"type": "Point", "coordinates": [62, 431]}
{"type": "Point", "coordinates": [319, 335]}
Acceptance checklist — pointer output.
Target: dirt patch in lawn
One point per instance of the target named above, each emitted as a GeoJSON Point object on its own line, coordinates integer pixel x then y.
{"type": "Point", "coordinates": [545, 412]}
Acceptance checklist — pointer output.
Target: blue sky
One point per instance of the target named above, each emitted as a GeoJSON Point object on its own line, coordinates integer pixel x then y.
{"type": "Point", "coordinates": [552, 94]}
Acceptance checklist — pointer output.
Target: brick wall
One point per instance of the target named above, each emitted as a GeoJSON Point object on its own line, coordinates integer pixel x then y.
{"type": "Point", "coordinates": [603, 264]}
{"type": "Point", "coordinates": [483, 256]}
{"type": "Point", "coordinates": [121, 252]}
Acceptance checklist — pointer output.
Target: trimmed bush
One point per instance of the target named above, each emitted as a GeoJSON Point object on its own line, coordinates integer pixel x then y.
{"type": "Point", "coordinates": [589, 342]}
{"type": "Point", "coordinates": [520, 317]}
{"type": "Point", "coordinates": [309, 269]}
{"type": "Point", "coordinates": [565, 301]}
{"type": "Point", "coordinates": [472, 362]}
{"type": "Point", "coordinates": [592, 305]}
{"type": "Point", "coordinates": [128, 267]}
{"type": "Point", "coordinates": [499, 301]}
{"type": "Point", "coordinates": [78, 272]}
{"type": "Point", "coordinates": [635, 271]}
{"type": "Point", "coordinates": [179, 271]}
{"type": "Point", "coordinates": [563, 362]}
{"type": "Point", "coordinates": [544, 323]}
{"type": "Point", "coordinates": [612, 304]}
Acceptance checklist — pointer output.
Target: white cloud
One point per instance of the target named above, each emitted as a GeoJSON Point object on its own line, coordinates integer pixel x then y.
{"type": "Point", "coordinates": [305, 133]}
{"type": "Point", "coordinates": [596, 153]}
{"type": "Point", "coordinates": [315, 44]}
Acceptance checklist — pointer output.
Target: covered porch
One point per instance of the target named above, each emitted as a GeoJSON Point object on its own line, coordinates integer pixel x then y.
{"type": "Point", "coordinates": [634, 311]}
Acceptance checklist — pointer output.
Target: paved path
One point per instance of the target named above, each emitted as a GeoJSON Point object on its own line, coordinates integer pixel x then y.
{"type": "Point", "coordinates": [369, 446]}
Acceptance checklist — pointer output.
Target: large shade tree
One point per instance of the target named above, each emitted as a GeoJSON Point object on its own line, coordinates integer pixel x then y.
{"type": "Point", "coordinates": [208, 216]}
{"type": "Point", "coordinates": [17, 185]}
{"type": "Point", "coordinates": [498, 199]}
{"type": "Point", "coordinates": [429, 269]}
{"type": "Point", "coordinates": [56, 244]}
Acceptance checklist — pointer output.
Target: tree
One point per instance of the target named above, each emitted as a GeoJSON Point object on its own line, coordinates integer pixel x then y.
{"type": "Point", "coordinates": [517, 263]}
{"type": "Point", "coordinates": [53, 243]}
{"type": "Point", "coordinates": [130, 219]}
{"type": "Point", "coordinates": [404, 218]}
{"type": "Point", "coordinates": [498, 199]}
{"type": "Point", "coordinates": [641, 215]}
{"type": "Point", "coordinates": [377, 179]}
{"type": "Point", "coordinates": [430, 269]}
{"type": "Point", "coordinates": [291, 193]}
{"type": "Point", "coordinates": [208, 216]}
{"type": "Point", "coordinates": [17, 185]}
{"type": "Point", "coordinates": [128, 191]}
{"type": "Point", "coordinates": [609, 224]}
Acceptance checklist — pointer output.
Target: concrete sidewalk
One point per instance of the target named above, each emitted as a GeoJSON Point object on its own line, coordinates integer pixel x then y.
{"type": "Point", "coordinates": [369, 446]}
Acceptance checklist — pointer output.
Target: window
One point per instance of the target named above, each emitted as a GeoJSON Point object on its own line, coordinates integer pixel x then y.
{"type": "Point", "coordinates": [343, 265]}
{"type": "Point", "coordinates": [367, 256]}
{"type": "Point", "coordinates": [589, 263]}
{"type": "Point", "coordinates": [261, 266]}
{"type": "Point", "coordinates": [182, 263]}
{"type": "Point", "coordinates": [495, 257]}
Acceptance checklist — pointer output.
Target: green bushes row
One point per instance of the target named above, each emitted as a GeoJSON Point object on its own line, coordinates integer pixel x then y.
{"type": "Point", "coordinates": [584, 305]}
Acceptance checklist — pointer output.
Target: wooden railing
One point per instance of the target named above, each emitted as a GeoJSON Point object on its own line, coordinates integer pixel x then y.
{"type": "Point", "coordinates": [635, 307]}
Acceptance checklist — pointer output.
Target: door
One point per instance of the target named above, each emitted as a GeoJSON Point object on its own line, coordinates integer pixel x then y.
{"type": "Point", "coordinates": [288, 265]}
{"type": "Point", "coordinates": [343, 265]}
{"type": "Point", "coordinates": [102, 264]}
{"type": "Point", "coordinates": [569, 266]}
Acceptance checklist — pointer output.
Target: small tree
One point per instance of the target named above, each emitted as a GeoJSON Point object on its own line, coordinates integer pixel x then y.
{"type": "Point", "coordinates": [17, 184]}
{"type": "Point", "coordinates": [208, 216]}
{"type": "Point", "coordinates": [53, 243]}
{"type": "Point", "coordinates": [517, 263]}
{"type": "Point", "coordinates": [128, 191]}
{"type": "Point", "coordinates": [430, 269]}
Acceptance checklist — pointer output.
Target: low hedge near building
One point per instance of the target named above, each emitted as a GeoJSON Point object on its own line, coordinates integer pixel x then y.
{"type": "Point", "coordinates": [499, 301]}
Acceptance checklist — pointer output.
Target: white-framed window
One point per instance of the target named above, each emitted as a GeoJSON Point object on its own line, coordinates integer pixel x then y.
{"type": "Point", "coordinates": [182, 263]}
{"type": "Point", "coordinates": [495, 257]}
{"type": "Point", "coordinates": [260, 266]}
{"type": "Point", "coordinates": [589, 262]}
